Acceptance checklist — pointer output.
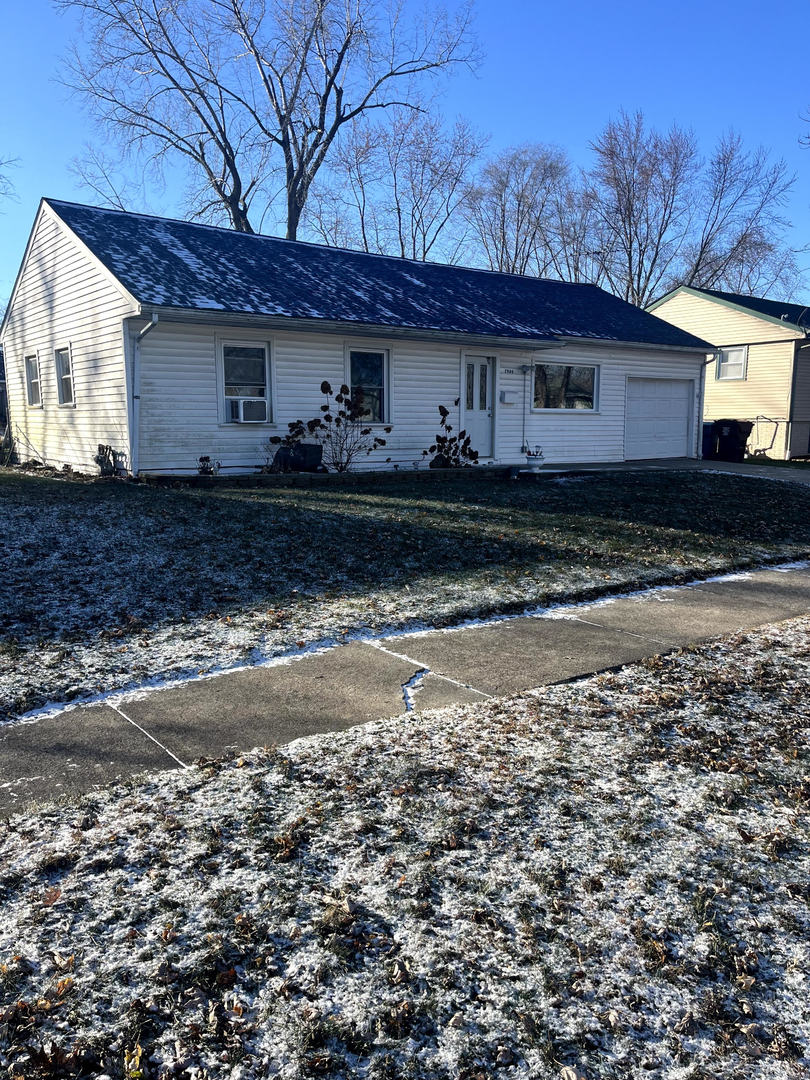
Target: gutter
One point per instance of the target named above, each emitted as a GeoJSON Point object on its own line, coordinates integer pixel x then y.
{"type": "Point", "coordinates": [376, 330]}
{"type": "Point", "coordinates": [703, 347]}
{"type": "Point", "coordinates": [285, 323]}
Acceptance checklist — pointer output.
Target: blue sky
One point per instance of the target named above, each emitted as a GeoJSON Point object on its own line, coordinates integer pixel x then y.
{"type": "Point", "coordinates": [552, 72]}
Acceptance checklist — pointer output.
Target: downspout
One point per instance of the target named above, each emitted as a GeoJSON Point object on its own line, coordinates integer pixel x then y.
{"type": "Point", "coordinates": [712, 359]}
{"type": "Point", "coordinates": [136, 393]}
{"type": "Point", "coordinates": [525, 369]}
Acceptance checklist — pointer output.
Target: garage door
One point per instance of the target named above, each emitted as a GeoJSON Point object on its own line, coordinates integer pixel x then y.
{"type": "Point", "coordinates": [657, 419]}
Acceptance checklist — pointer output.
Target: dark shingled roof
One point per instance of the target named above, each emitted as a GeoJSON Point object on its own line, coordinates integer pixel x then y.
{"type": "Point", "coordinates": [798, 314]}
{"type": "Point", "coordinates": [176, 264]}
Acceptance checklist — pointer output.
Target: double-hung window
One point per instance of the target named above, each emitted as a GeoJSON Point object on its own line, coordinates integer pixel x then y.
{"type": "Point", "coordinates": [32, 381]}
{"type": "Point", "coordinates": [64, 376]}
{"type": "Point", "coordinates": [564, 386]}
{"type": "Point", "coordinates": [367, 377]}
{"type": "Point", "coordinates": [731, 363]}
{"type": "Point", "coordinates": [246, 376]}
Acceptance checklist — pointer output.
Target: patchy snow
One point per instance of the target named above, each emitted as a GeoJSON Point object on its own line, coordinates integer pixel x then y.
{"type": "Point", "coordinates": [605, 879]}
{"type": "Point", "coordinates": [174, 262]}
{"type": "Point", "coordinates": [136, 587]}
{"type": "Point", "coordinates": [570, 611]}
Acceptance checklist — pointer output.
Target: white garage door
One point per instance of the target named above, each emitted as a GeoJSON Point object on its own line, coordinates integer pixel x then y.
{"type": "Point", "coordinates": [657, 419]}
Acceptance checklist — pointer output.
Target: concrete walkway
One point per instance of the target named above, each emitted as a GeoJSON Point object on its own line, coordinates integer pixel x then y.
{"type": "Point", "coordinates": [798, 474]}
{"type": "Point", "coordinates": [82, 747]}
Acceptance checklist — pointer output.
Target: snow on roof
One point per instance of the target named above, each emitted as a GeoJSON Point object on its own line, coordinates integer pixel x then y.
{"type": "Point", "coordinates": [168, 263]}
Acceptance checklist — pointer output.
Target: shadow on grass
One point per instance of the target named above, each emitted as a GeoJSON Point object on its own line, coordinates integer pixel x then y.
{"type": "Point", "coordinates": [84, 559]}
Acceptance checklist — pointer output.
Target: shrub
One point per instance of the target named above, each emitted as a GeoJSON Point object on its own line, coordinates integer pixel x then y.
{"type": "Point", "coordinates": [342, 429]}
{"type": "Point", "coordinates": [450, 451]}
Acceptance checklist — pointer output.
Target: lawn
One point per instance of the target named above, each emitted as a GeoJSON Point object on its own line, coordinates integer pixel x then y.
{"type": "Point", "coordinates": [602, 880]}
{"type": "Point", "coordinates": [105, 585]}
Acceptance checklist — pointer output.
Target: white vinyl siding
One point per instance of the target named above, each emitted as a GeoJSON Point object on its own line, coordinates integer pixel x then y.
{"type": "Point", "coordinates": [63, 296]}
{"type": "Point", "coordinates": [181, 360]}
{"type": "Point", "coordinates": [582, 435]}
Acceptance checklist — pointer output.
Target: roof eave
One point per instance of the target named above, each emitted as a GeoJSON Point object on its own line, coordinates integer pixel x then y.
{"type": "Point", "coordinates": [334, 326]}
{"type": "Point", "coordinates": [700, 346]}
{"type": "Point", "coordinates": [213, 317]}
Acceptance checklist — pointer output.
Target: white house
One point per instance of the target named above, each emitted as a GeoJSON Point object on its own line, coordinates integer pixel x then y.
{"type": "Point", "coordinates": [167, 340]}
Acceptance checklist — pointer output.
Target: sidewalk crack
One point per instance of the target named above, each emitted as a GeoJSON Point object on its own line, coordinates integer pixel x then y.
{"type": "Point", "coordinates": [412, 686]}
{"type": "Point", "coordinates": [426, 670]}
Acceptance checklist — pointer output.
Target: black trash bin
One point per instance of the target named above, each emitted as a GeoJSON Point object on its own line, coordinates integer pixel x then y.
{"type": "Point", "coordinates": [730, 438]}
{"type": "Point", "coordinates": [709, 450]}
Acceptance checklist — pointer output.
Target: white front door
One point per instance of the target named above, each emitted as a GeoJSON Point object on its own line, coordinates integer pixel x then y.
{"type": "Point", "coordinates": [479, 378]}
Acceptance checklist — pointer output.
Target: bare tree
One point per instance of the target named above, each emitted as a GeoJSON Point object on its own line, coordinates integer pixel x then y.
{"type": "Point", "coordinates": [344, 209]}
{"type": "Point", "coordinates": [576, 242]}
{"type": "Point", "coordinates": [7, 190]}
{"type": "Point", "coordinates": [739, 245]}
{"type": "Point", "coordinates": [101, 175]}
{"type": "Point", "coordinates": [252, 93]}
{"type": "Point", "coordinates": [398, 188]}
{"type": "Point", "coordinates": [643, 183]}
{"type": "Point", "coordinates": [510, 208]}
{"type": "Point", "coordinates": [666, 217]}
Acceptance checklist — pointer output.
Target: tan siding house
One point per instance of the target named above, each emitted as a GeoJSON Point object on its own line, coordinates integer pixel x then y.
{"type": "Point", "coordinates": [761, 371]}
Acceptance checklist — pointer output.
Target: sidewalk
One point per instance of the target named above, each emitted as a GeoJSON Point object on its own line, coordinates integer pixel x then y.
{"type": "Point", "coordinates": [798, 474]}
{"type": "Point", "coordinates": [81, 747]}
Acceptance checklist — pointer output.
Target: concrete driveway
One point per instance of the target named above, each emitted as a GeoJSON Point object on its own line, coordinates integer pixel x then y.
{"type": "Point", "coordinates": [81, 747]}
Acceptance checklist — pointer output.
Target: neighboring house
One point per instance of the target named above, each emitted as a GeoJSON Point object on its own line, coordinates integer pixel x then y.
{"type": "Point", "coordinates": [761, 371]}
{"type": "Point", "coordinates": [167, 340]}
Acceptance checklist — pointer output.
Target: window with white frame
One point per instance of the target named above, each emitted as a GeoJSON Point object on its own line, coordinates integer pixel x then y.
{"type": "Point", "coordinates": [64, 376]}
{"type": "Point", "coordinates": [32, 381]}
{"type": "Point", "coordinates": [564, 386]}
{"type": "Point", "coordinates": [246, 381]}
{"type": "Point", "coordinates": [367, 376]}
{"type": "Point", "coordinates": [732, 363]}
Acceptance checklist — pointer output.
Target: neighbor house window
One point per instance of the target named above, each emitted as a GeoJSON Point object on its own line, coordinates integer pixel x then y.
{"type": "Point", "coordinates": [246, 370]}
{"type": "Point", "coordinates": [64, 376]}
{"type": "Point", "coordinates": [731, 363]}
{"type": "Point", "coordinates": [367, 377]}
{"type": "Point", "coordinates": [32, 382]}
{"type": "Point", "coordinates": [564, 386]}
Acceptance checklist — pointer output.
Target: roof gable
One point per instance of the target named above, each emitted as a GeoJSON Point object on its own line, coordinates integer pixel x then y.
{"type": "Point", "coordinates": [47, 213]}
{"type": "Point", "coordinates": [180, 265]}
{"type": "Point", "coordinates": [795, 316]}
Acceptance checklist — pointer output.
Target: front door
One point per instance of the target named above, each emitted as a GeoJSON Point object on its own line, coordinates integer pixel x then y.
{"type": "Point", "coordinates": [479, 372]}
